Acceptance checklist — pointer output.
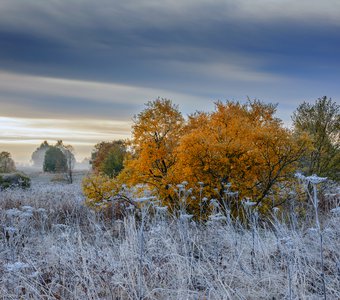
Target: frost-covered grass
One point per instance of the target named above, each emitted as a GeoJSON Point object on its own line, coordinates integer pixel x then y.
{"type": "Point", "coordinates": [53, 247]}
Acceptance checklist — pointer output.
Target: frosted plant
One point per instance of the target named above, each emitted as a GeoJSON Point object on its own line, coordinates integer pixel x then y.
{"type": "Point", "coordinates": [314, 180]}
{"type": "Point", "coordinates": [247, 203]}
{"type": "Point", "coordinates": [185, 217]}
{"type": "Point", "coordinates": [144, 199]}
{"type": "Point", "coordinates": [228, 197]}
{"type": "Point", "coordinates": [27, 208]}
{"type": "Point", "coordinates": [16, 267]}
{"type": "Point", "coordinates": [288, 245]}
{"type": "Point", "coordinates": [336, 210]}
{"type": "Point", "coordinates": [183, 194]}
{"type": "Point", "coordinates": [216, 218]}
{"type": "Point", "coordinates": [276, 211]}
{"type": "Point", "coordinates": [13, 212]}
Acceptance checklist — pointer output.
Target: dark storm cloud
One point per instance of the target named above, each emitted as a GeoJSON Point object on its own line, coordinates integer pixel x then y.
{"type": "Point", "coordinates": [46, 97]}
{"type": "Point", "coordinates": [134, 41]}
{"type": "Point", "coordinates": [69, 108]}
{"type": "Point", "coordinates": [77, 64]}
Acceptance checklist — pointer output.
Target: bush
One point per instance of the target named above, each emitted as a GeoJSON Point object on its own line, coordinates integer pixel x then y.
{"type": "Point", "coordinates": [14, 180]}
{"type": "Point", "coordinates": [99, 189]}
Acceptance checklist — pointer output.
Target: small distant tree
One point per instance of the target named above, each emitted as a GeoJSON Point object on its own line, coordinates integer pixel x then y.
{"type": "Point", "coordinates": [68, 151]}
{"type": "Point", "coordinates": [108, 157]}
{"type": "Point", "coordinates": [7, 164]}
{"type": "Point", "coordinates": [38, 155]}
{"type": "Point", "coordinates": [55, 160]}
{"type": "Point", "coordinates": [321, 121]}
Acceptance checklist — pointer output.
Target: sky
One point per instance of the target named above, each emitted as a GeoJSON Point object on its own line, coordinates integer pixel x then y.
{"type": "Point", "coordinates": [79, 70]}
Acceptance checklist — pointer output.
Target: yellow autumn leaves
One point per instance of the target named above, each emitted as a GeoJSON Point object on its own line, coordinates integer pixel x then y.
{"type": "Point", "coordinates": [239, 144]}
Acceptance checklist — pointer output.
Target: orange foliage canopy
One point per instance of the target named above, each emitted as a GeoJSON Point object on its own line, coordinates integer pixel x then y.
{"type": "Point", "coordinates": [239, 144]}
{"type": "Point", "coordinates": [156, 132]}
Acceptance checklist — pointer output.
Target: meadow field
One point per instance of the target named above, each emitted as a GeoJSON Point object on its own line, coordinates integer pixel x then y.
{"type": "Point", "coordinates": [54, 247]}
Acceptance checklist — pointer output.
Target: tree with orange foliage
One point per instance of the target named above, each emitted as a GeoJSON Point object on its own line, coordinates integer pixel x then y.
{"type": "Point", "coordinates": [156, 132]}
{"type": "Point", "coordinates": [241, 145]}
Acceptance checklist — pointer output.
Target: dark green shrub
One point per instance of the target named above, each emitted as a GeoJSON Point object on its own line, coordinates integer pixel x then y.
{"type": "Point", "coordinates": [14, 180]}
